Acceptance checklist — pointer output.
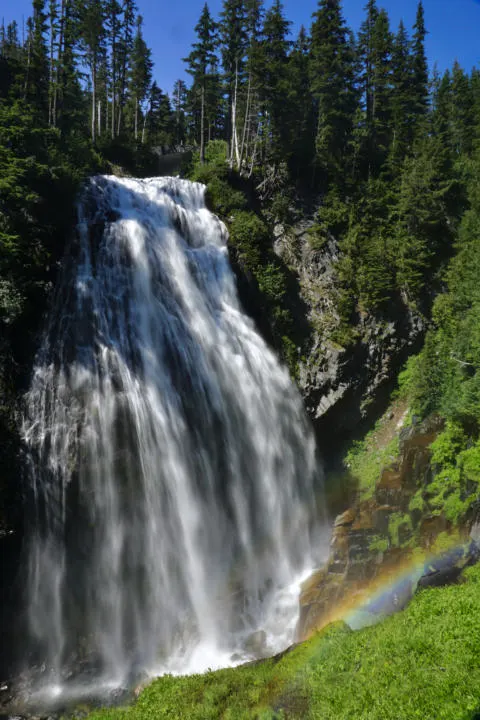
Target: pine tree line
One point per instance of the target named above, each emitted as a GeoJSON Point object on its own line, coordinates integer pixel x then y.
{"type": "Point", "coordinates": [354, 121]}
{"type": "Point", "coordinates": [78, 60]}
{"type": "Point", "coordinates": [332, 107]}
{"type": "Point", "coordinates": [335, 108]}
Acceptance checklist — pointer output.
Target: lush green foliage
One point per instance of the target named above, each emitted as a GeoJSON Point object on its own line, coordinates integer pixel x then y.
{"type": "Point", "coordinates": [367, 457]}
{"type": "Point", "coordinates": [420, 663]}
{"type": "Point", "coordinates": [365, 461]}
{"type": "Point", "coordinates": [445, 377]}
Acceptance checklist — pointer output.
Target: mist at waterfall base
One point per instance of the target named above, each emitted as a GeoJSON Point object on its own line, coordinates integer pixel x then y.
{"type": "Point", "coordinates": [172, 471]}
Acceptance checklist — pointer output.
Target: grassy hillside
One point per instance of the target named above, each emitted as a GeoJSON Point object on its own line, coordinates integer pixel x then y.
{"type": "Point", "coordinates": [420, 663]}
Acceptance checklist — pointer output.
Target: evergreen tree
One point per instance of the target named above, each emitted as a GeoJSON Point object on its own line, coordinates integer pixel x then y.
{"type": "Point", "coordinates": [179, 106]}
{"type": "Point", "coordinates": [140, 75]}
{"type": "Point", "coordinates": [332, 68]}
{"type": "Point", "coordinates": [160, 125]}
{"type": "Point", "coordinates": [424, 224]}
{"type": "Point", "coordinates": [70, 106]}
{"type": "Point", "coordinates": [441, 107]}
{"type": "Point", "coordinates": [420, 66]}
{"type": "Point", "coordinates": [254, 105]}
{"type": "Point", "coordinates": [202, 66]}
{"type": "Point", "coordinates": [92, 41]}
{"type": "Point", "coordinates": [274, 64]}
{"type": "Point", "coordinates": [382, 94]}
{"type": "Point", "coordinates": [233, 43]}
{"type": "Point", "coordinates": [402, 113]}
{"type": "Point", "coordinates": [10, 46]}
{"type": "Point", "coordinates": [13, 61]}
{"type": "Point", "coordinates": [462, 115]}
{"type": "Point", "coordinates": [124, 52]}
{"type": "Point", "coordinates": [112, 27]}
{"type": "Point", "coordinates": [37, 71]}
{"type": "Point", "coordinates": [301, 112]}
{"type": "Point", "coordinates": [366, 52]}
{"type": "Point", "coordinates": [375, 50]}
{"type": "Point", "coordinates": [52, 61]}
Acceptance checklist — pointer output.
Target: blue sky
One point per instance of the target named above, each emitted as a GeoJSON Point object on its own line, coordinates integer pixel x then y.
{"type": "Point", "coordinates": [453, 26]}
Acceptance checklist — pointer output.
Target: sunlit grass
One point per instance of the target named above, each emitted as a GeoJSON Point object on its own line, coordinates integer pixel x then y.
{"type": "Point", "coordinates": [421, 663]}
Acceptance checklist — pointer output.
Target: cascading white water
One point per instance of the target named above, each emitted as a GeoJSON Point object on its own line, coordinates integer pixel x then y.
{"type": "Point", "coordinates": [172, 467]}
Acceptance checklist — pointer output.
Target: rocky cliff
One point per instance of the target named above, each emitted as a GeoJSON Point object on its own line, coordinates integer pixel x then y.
{"type": "Point", "coordinates": [344, 386]}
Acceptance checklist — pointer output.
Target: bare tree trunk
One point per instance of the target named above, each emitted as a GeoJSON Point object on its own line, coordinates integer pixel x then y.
{"type": "Point", "coordinates": [113, 111]}
{"type": "Point", "coordinates": [245, 123]}
{"type": "Point", "coordinates": [99, 117]}
{"type": "Point", "coordinates": [59, 68]}
{"type": "Point", "coordinates": [107, 115]}
{"type": "Point", "coordinates": [113, 92]}
{"type": "Point", "coordinates": [51, 70]}
{"type": "Point", "coordinates": [136, 118]}
{"type": "Point", "coordinates": [29, 60]}
{"type": "Point", "coordinates": [202, 127]}
{"type": "Point", "coordinates": [119, 119]}
{"type": "Point", "coordinates": [144, 126]}
{"type": "Point", "coordinates": [114, 67]}
{"type": "Point", "coordinates": [123, 75]}
{"type": "Point", "coordinates": [178, 114]}
{"type": "Point", "coordinates": [254, 152]}
{"type": "Point", "coordinates": [234, 155]}
{"type": "Point", "coordinates": [94, 99]}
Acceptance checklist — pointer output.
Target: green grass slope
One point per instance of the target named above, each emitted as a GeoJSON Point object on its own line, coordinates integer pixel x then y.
{"type": "Point", "coordinates": [421, 663]}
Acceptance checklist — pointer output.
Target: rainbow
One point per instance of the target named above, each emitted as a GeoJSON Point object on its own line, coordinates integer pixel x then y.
{"type": "Point", "coordinates": [393, 589]}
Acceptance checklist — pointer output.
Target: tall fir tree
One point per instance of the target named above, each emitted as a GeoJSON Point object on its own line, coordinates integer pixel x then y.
{"type": "Point", "coordinates": [254, 105]}
{"type": "Point", "coordinates": [112, 26]}
{"type": "Point", "coordinates": [402, 115]}
{"type": "Point", "coordinates": [202, 64]}
{"type": "Point", "coordinates": [332, 68]}
{"type": "Point", "coordinates": [91, 28]}
{"type": "Point", "coordinates": [70, 104]}
{"type": "Point", "coordinates": [124, 52]}
{"type": "Point", "coordinates": [462, 114]}
{"type": "Point", "coordinates": [233, 44]}
{"type": "Point", "coordinates": [274, 64]}
{"type": "Point", "coordinates": [179, 101]}
{"type": "Point", "coordinates": [382, 95]}
{"type": "Point", "coordinates": [37, 71]}
{"type": "Point", "coordinates": [140, 77]}
{"type": "Point", "coordinates": [54, 27]}
{"type": "Point", "coordinates": [301, 111]}
{"type": "Point", "coordinates": [375, 51]}
{"type": "Point", "coordinates": [420, 90]}
{"type": "Point", "coordinates": [366, 52]}
{"type": "Point", "coordinates": [160, 124]}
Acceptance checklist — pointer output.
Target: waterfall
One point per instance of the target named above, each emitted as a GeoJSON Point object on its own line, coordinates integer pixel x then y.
{"type": "Point", "coordinates": [171, 466]}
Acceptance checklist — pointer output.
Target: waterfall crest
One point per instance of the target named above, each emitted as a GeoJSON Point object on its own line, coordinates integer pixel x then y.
{"type": "Point", "coordinates": [171, 465]}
